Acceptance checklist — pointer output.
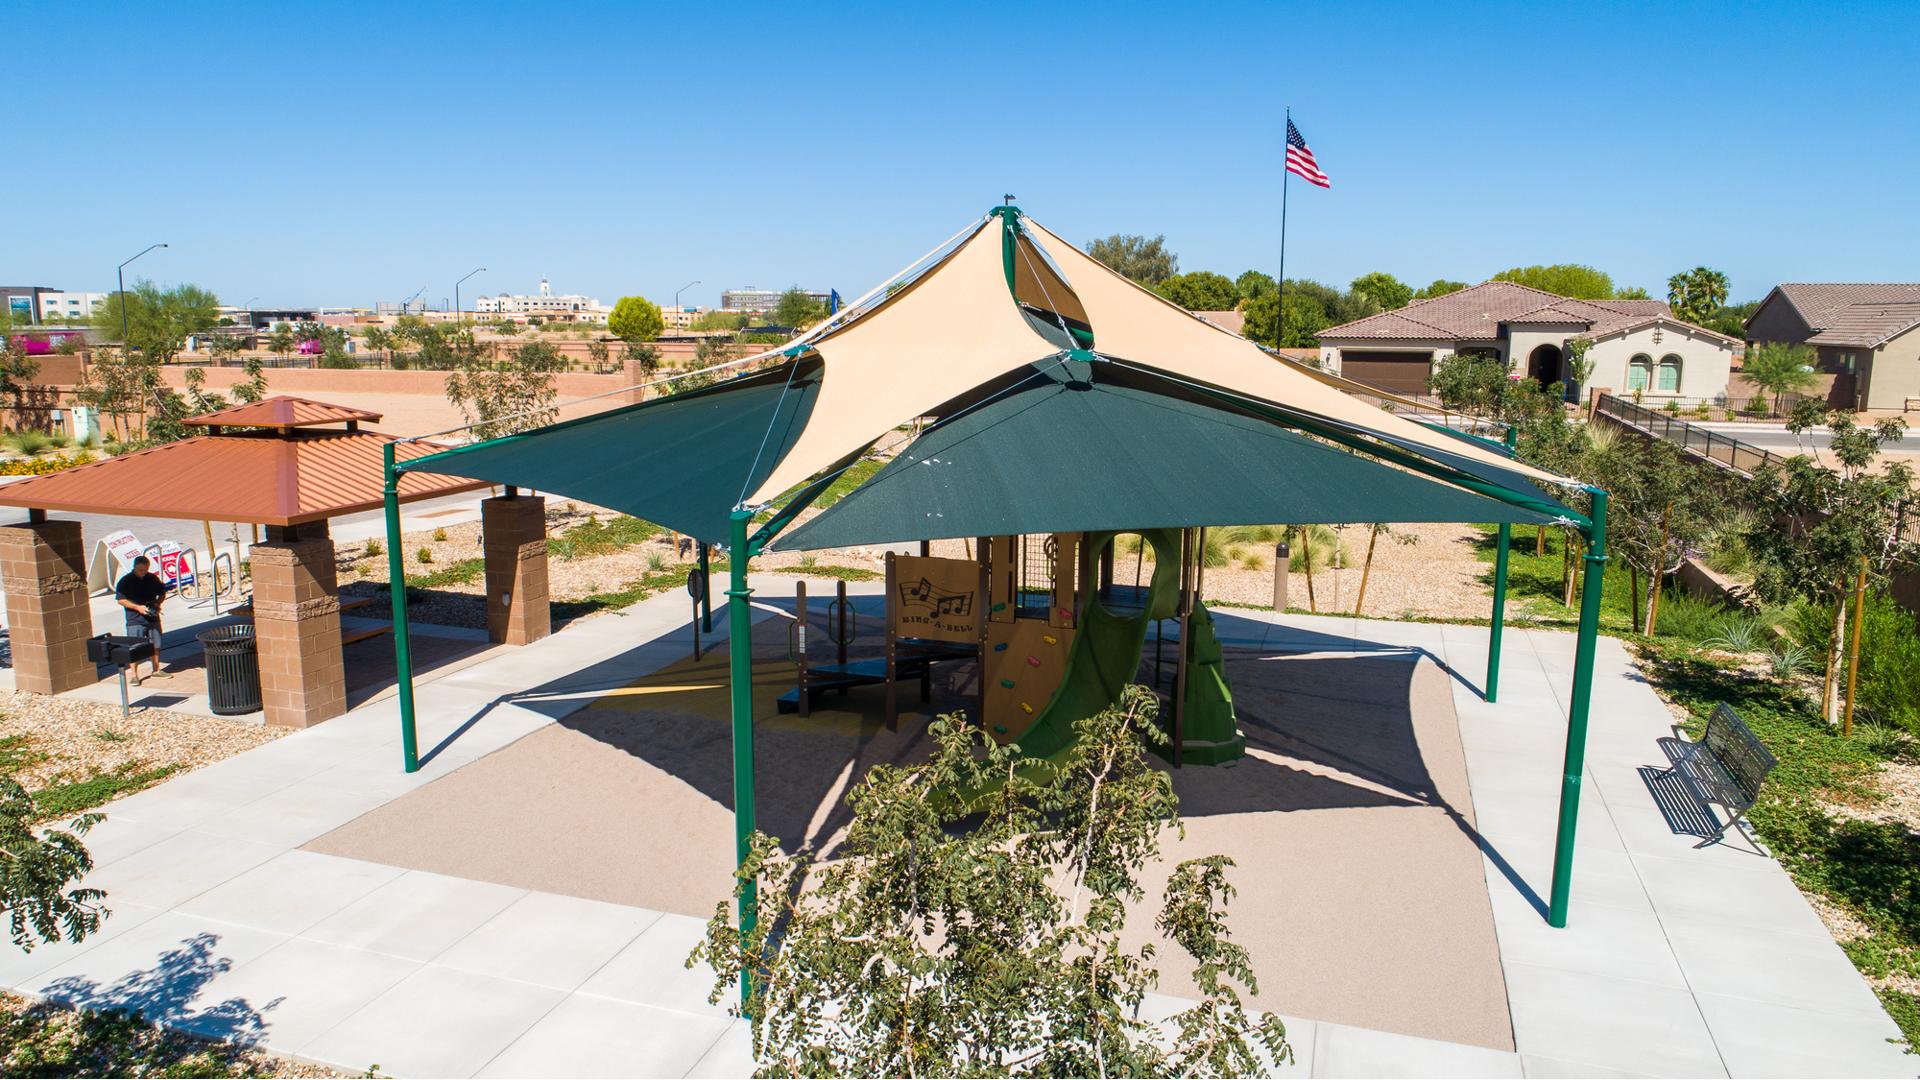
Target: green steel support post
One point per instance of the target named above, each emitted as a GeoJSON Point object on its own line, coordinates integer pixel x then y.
{"type": "Point", "coordinates": [1498, 629]}
{"type": "Point", "coordinates": [740, 676]}
{"type": "Point", "coordinates": [397, 588]}
{"type": "Point", "coordinates": [1492, 692]}
{"type": "Point", "coordinates": [1591, 588]}
{"type": "Point", "coordinates": [706, 589]}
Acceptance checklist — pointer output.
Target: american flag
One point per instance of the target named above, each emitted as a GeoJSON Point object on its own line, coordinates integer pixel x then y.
{"type": "Point", "coordinates": [1300, 159]}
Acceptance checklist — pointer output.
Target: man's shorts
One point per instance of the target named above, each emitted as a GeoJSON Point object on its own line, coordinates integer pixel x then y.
{"type": "Point", "coordinates": [138, 626]}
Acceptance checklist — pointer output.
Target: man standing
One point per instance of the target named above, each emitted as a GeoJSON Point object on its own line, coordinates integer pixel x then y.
{"type": "Point", "coordinates": [141, 591]}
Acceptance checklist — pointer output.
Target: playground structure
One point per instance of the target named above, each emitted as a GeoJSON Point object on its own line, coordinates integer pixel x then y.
{"type": "Point", "coordinates": [1051, 636]}
{"type": "Point", "coordinates": [1045, 395]}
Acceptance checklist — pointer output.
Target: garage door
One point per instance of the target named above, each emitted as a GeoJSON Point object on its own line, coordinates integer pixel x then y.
{"type": "Point", "coordinates": [1396, 372]}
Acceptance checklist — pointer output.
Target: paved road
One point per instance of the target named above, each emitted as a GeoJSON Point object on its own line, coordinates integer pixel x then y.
{"type": "Point", "coordinates": [1777, 438]}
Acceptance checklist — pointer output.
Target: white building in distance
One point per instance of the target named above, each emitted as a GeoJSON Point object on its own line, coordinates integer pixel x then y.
{"type": "Point", "coordinates": [545, 304]}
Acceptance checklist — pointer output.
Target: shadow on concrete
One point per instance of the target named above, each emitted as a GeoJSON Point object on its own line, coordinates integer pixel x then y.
{"type": "Point", "coordinates": [165, 994]}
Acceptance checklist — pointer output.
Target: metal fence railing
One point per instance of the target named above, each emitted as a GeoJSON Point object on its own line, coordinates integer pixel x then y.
{"type": "Point", "coordinates": [1712, 445]}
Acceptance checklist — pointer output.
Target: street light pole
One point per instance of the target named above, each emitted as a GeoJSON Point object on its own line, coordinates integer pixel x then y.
{"type": "Point", "coordinates": [121, 273]}
{"type": "Point", "coordinates": [457, 312]}
{"type": "Point", "coordinates": [678, 291]}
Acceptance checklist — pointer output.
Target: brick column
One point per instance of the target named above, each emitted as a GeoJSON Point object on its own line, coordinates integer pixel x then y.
{"type": "Point", "coordinates": [296, 618]}
{"type": "Point", "coordinates": [43, 567]}
{"type": "Point", "coordinates": [513, 533]}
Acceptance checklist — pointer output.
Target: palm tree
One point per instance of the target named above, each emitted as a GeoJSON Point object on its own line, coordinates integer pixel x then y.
{"type": "Point", "coordinates": [1697, 294]}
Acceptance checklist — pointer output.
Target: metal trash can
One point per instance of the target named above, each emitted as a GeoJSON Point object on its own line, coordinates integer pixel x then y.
{"type": "Point", "coordinates": [233, 670]}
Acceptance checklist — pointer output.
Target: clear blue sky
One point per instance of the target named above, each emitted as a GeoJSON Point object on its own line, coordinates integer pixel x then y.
{"type": "Point", "coordinates": [347, 153]}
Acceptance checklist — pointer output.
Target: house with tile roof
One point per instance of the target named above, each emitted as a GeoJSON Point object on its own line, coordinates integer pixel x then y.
{"type": "Point", "coordinates": [1637, 344]}
{"type": "Point", "coordinates": [1865, 335]}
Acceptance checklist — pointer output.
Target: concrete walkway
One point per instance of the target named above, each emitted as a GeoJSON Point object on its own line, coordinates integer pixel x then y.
{"type": "Point", "coordinates": [1677, 961]}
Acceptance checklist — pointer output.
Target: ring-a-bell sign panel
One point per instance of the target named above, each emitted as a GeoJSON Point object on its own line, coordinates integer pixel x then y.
{"type": "Point", "coordinates": [937, 599]}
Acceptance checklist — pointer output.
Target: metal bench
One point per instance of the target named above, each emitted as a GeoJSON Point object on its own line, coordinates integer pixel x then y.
{"type": "Point", "coordinates": [1726, 768]}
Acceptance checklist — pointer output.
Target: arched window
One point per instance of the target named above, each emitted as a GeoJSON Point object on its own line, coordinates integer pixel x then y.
{"type": "Point", "coordinates": [1640, 372]}
{"type": "Point", "coordinates": [1669, 375]}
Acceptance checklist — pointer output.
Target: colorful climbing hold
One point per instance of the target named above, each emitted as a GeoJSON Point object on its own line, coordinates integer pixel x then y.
{"type": "Point", "coordinates": [1002, 647]}
{"type": "Point", "coordinates": [1000, 729]}
{"type": "Point", "coordinates": [1049, 639]}
{"type": "Point", "coordinates": [999, 607]}
{"type": "Point", "coordinates": [1026, 708]}
{"type": "Point", "coordinates": [1033, 661]}
{"type": "Point", "coordinates": [1008, 683]}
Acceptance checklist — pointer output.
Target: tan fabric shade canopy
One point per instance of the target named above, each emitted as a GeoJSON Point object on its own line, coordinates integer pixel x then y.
{"type": "Point", "coordinates": [960, 327]}
{"type": "Point", "coordinates": [1130, 323]}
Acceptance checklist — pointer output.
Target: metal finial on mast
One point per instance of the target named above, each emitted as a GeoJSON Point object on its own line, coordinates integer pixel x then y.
{"type": "Point", "coordinates": [1006, 200]}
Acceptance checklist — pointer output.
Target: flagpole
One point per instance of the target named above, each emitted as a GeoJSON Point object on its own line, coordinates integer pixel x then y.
{"type": "Point", "coordinates": [1280, 320]}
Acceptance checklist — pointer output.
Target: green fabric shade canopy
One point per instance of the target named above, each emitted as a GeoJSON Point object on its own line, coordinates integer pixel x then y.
{"type": "Point", "coordinates": [1065, 398]}
{"type": "Point", "coordinates": [681, 461]}
{"type": "Point", "coordinates": [1084, 447]}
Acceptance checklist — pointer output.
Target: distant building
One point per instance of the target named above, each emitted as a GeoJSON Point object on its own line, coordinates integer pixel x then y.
{"type": "Point", "coordinates": [1637, 346]}
{"type": "Point", "coordinates": [571, 306]}
{"type": "Point", "coordinates": [680, 318]}
{"type": "Point", "coordinates": [761, 301]}
{"type": "Point", "coordinates": [1865, 335]}
{"type": "Point", "coordinates": [70, 306]}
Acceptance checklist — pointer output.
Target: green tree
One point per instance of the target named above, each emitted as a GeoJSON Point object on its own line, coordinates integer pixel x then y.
{"type": "Point", "coordinates": [39, 866]}
{"type": "Point", "coordinates": [1439, 287]}
{"type": "Point", "coordinates": [282, 340]}
{"type": "Point", "coordinates": [1201, 290]}
{"type": "Point", "coordinates": [1384, 289]}
{"type": "Point", "coordinates": [1305, 318]}
{"type": "Point", "coordinates": [1662, 505]}
{"type": "Point", "coordinates": [1469, 383]}
{"type": "Point", "coordinates": [1697, 294]}
{"type": "Point", "coordinates": [1780, 369]}
{"type": "Point", "coordinates": [1564, 279]}
{"type": "Point", "coordinates": [113, 384]}
{"type": "Point", "coordinates": [500, 399]}
{"type": "Point", "coordinates": [796, 310]}
{"type": "Point", "coordinates": [1818, 525]}
{"type": "Point", "coordinates": [158, 322]}
{"type": "Point", "coordinates": [379, 339]}
{"type": "Point", "coordinates": [972, 923]}
{"type": "Point", "coordinates": [597, 353]}
{"type": "Point", "coordinates": [718, 320]}
{"type": "Point", "coordinates": [1579, 367]}
{"type": "Point", "coordinates": [1253, 283]}
{"type": "Point", "coordinates": [1631, 292]}
{"type": "Point", "coordinates": [1144, 260]}
{"type": "Point", "coordinates": [636, 318]}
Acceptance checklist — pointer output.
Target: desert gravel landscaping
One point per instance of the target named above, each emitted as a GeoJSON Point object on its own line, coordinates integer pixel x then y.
{"type": "Point", "coordinates": [74, 755]}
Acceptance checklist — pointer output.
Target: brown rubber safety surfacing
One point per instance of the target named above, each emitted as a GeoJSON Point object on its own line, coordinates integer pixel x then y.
{"type": "Point", "coordinates": [1361, 893]}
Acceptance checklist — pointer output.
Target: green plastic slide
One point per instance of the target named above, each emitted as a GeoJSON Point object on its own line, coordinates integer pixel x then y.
{"type": "Point", "coordinates": [1106, 657]}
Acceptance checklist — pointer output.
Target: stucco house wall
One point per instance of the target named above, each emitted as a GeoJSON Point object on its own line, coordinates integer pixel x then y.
{"type": "Point", "coordinates": [1894, 376]}
{"type": "Point", "coordinates": [1706, 362]}
{"type": "Point", "coordinates": [1777, 320]}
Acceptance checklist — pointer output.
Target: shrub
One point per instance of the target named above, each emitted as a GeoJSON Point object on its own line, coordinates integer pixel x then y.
{"type": "Point", "coordinates": [1690, 617]}
{"type": "Point", "coordinates": [425, 555]}
{"type": "Point", "coordinates": [1756, 406]}
{"type": "Point", "coordinates": [31, 442]}
{"type": "Point", "coordinates": [439, 535]}
{"type": "Point", "coordinates": [1734, 632]}
{"type": "Point", "coordinates": [1889, 684]}
{"type": "Point", "coordinates": [40, 466]}
{"type": "Point", "coordinates": [375, 549]}
{"type": "Point", "coordinates": [1788, 660]}
{"type": "Point", "coordinates": [656, 560]}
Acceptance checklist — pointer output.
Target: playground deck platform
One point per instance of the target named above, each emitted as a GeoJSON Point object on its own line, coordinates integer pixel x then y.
{"type": "Point", "coordinates": [1676, 961]}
